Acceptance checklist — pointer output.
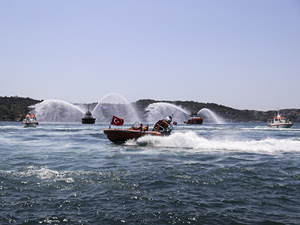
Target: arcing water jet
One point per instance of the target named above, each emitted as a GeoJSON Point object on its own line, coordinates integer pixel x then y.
{"type": "Point", "coordinates": [207, 114]}
{"type": "Point", "coordinates": [115, 104]}
{"type": "Point", "coordinates": [159, 110]}
{"type": "Point", "coordinates": [57, 111]}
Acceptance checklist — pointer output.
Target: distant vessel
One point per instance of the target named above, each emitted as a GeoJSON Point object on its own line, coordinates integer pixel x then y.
{"type": "Point", "coordinates": [30, 121]}
{"type": "Point", "coordinates": [280, 122]}
{"type": "Point", "coordinates": [88, 118]}
{"type": "Point", "coordinates": [194, 119]}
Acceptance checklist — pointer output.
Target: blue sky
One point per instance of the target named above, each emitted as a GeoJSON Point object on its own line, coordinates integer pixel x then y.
{"type": "Point", "coordinates": [241, 54]}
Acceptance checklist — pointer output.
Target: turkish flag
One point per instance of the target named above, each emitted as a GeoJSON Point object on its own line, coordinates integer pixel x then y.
{"type": "Point", "coordinates": [117, 121]}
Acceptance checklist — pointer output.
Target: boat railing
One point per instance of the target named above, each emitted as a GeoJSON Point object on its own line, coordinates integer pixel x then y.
{"type": "Point", "coordinates": [278, 121]}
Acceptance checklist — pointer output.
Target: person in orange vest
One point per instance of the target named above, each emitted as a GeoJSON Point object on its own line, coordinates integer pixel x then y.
{"type": "Point", "coordinates": [146, 128]}
{"type": "Point", "coordinates": [141, 127]}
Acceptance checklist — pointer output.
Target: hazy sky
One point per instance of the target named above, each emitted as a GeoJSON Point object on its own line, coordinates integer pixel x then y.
{"type": "Point", "coordinates": [241, 54]}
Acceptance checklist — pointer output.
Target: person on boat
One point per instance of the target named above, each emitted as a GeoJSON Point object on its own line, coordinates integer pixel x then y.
{"type": "Point", "coordinates": [163, 124]}
{"type": "Point", "coordinates": [169, 119]}
{"type": "Point", "coordinates": [146, 128]}
{"type": "Point", "coordinates": [141, 127]}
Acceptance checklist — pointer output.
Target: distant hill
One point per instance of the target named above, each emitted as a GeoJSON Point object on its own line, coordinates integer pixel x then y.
{"type": "Point", "coordinates": [15, 108]}
{"type": "Point", "coordinates": [227, 113]}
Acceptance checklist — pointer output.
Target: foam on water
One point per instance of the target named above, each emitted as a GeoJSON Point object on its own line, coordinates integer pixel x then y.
{"type": "Point", "coordinates": [44, 174]}
{"type": "Point", "coordinates": [190, 140]}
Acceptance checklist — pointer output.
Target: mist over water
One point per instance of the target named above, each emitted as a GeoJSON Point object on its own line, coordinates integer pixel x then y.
{"type": "Point", "coordinates": [211, 116]}
{"type": "Point", "coordinates": [157, 111]}
{"type": "Point", "coordinates": [57, 111]}
{"type": "Point", "coordinates": [117, 105]}
{"type": "Point", "coordinates": [109, 105]}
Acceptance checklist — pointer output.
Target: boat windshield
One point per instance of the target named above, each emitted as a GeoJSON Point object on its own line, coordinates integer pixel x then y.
{"type": "Point", "coordinates": [136, 125]}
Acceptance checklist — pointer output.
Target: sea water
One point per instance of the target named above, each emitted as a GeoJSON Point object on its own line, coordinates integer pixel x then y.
{"type": "Point", "coordinates": [201, 174]}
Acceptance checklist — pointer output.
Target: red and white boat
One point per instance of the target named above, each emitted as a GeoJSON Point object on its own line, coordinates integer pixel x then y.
{"type": "Point", "coordinates": [30, 121]}
{"type": "Point", "coordinates": [194, 119]}
{"type": "Point", "coordinates": [118, 136]}
{"type": "Point", "coordinates": [280, 122]}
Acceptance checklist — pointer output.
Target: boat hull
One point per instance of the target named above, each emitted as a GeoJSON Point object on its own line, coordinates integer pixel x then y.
{"type": "Point", "coordinates": [283, 125]}
{"type": "Point", "coordinates": [120, 136]}
{"type": "Point", "coordinates": [88, 120]}
{"type": "Point", "coordinates": [30, 124]}
{"type": "Point", "coordinates": [194, 121]}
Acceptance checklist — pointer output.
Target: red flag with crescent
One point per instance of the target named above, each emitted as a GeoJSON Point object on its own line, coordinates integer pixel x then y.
{"type": "Point", "coordinates": [117, 121]}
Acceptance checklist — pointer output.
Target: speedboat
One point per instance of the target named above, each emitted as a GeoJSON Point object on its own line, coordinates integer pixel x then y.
{"type": "Point", "coordinates": [194, 119]}
{"type": "Point", "coordinates": [30, 121]}
{"type": "Point", "coordinates": [280, 122]}
{"type": "Point", "coordinates": [88, 118]}
{"type": "Point", "coordinates": [118, 136]}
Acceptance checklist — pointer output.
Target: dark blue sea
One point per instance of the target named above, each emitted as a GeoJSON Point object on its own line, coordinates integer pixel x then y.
{"type": "Point", "coordinates": [70, 173]}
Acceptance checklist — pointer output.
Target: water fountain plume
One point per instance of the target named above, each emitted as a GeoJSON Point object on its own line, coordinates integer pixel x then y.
{"type": "Point", "coordinates": [115, 104]}
{"type": "Point", "coordinates": [159, 110]}
{"type": "Point", "coordinates": [208, 114]}
{"type": "Point", "coordinates": [113, 98]}
{"type": "Point", "coordinates": [57, 111]}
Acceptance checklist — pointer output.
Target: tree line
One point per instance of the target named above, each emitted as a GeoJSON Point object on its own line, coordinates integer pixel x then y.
{"type": "Point", "coordinates": [16, 108]}
{"type": "Point", "coordinates": [227, 113]}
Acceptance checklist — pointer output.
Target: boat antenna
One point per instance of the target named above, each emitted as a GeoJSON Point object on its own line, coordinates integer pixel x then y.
{"type": "Point", "coordinates": [110, 122]}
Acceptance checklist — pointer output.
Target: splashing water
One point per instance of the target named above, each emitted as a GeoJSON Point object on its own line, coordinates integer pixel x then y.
{"type": "Point", "coordinates": [61, 111]}
{"type": "Point", "coordinates": [192, 142]}
{"type": "Point", "coordinates": [210, 115]}
{"type": "Point", "coordinates": [159, 110]}
{"type": "Point", "coordinates": [115, 104]}
{"type": "Point", "coordinates": [57, 111]}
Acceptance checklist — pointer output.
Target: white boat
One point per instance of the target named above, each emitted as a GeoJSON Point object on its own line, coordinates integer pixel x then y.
{"type": "Point", "coordinates": [30, 121]}
{"type": "Point", "coordinates": [280, 122]}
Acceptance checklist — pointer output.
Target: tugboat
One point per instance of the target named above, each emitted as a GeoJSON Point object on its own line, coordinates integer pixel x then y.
{"type": "Point", "coordinates": [30, 121]}
{"type": "Point", "coordinates": [161, 128]}
{"type": "Point", "coordinates": [194, 119]}
{"type": "Point", "coordinates": [88, 118]}
{"type": "Point", "coordinates": [279, 122]}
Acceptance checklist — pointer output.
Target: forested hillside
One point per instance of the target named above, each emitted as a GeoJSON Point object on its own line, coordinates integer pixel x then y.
{"type": "Point", "coordinates": [14, 108]}
{"type": "Point", "coordinates": [227, 113]}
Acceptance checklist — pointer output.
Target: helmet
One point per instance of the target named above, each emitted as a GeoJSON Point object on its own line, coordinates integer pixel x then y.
{"type": "Point", "coordinates": [169, 119]}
